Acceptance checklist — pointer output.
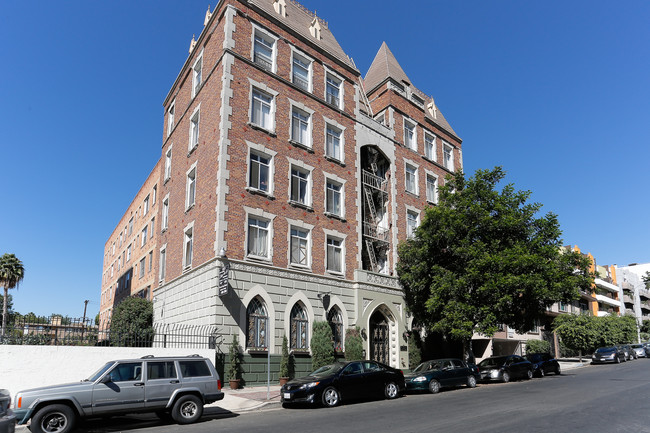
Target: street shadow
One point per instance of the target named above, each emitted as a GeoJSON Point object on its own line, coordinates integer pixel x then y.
{"type": "Point", "coordinates": [142, 421]}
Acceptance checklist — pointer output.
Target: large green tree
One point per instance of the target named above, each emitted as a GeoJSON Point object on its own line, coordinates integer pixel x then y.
{"type": "Point", "coordinates": [12, 273]}
{"type": "Point", "coordinates": [483, 257]}
{"type": "Point", "coordinates": [132, 323]}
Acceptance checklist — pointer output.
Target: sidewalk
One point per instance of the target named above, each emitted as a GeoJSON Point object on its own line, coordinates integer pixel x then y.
{"type": "Point", "coordinates": [249, 398]}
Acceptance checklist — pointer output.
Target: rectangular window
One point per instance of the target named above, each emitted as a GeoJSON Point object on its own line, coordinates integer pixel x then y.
{"type": "Point", "coordinates": [299, 186]}
{"type": "Point", "coordinates": [144, 235]}
{"type": "Point", "coordinates": [411, 179]}
{"type": "Point", "coordinates": [409, 135]}
{"type": "Point", "coordinates": [145, 206]}
{"type": "Point", "coordinates": [411, 223]}
{"type": "Point", "coordinates": [150, 260]}
{"type": "Point", "coordinates": [189, 246]}
{"type": "Point", "coordinates": [262, 109]}
{"type": "Point", "coordinates": [141, 268]}
{"type": "Point", "coordinates": [196, 75]}
{"type": "Point", "coordinates": [153, 226]}
{"type": "Point", "coordinates": [334, 255]}
{"type": "Point", "coordinates": [432, 189]}
{"type": "Point", "coordinates": [194, 130]}
{"type": "Point", "coordinates": [333, 142]}
{"type": "Point", "coordinates": [333, 205]}
{"type": "Point", "coordinates": [131, 226]}
{"type": "Point", "coordinates": [300, 73]}
{"type": "Point", "coordinates": [299, 247]}
{"type": "Point", "coordinates": [128, 253]}
{"type": "Point", "coordinates": [191, 189]}
{"type": "Point", "coordinates": [430, 146]}
{"type": "Point", "coordinates": [448, 156]}
{"type": "Point", "coordinates": [300, 127]}
{"type": "Point", "coordinates": [170, 118]}
{"type": "Point", "coordinates": [163, 257]}
{"type": "Point", "coordinates": [258, 237]}
{"type": "Point", "coordinates": [263, 50]}
{"type": "Point", "coordinates": [165, 214]}
{"type": "Point", "coordinates": [333, 90]}
{"type": "Point", "coordinates": [168, 164]}
{"type": "Point", "coordinates": [259, 172]}
{"type": "Point", "coordinates": [154, 193]}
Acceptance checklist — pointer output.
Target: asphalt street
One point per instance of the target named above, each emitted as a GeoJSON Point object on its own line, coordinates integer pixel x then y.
{"type": "Point", "coordinates": [599, 398]}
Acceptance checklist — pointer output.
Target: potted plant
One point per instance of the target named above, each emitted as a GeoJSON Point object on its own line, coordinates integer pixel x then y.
{"type": "Point", "coordinates": [234, 369]}
{"type": "Point", "coordinates": [284, 362]}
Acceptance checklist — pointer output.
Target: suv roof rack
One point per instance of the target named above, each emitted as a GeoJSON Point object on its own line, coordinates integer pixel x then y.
{"type": "Point", "coordinates": [147, 356]}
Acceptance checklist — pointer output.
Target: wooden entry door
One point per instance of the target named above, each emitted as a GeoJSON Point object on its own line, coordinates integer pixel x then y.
{"type": "Point", "coordinates": [379, 344]}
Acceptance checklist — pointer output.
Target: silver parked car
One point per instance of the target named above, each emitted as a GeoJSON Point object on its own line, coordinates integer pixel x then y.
{"type": "Point", "coordinates": [639, 350]}
{"type": "Point", "coordinates": [175, 387]}
{"type": "Point", "coordinates": [7, 418]}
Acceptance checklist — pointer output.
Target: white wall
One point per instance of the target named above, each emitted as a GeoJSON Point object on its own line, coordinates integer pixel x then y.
{"type": "Point", "coordinates": [24, 367]}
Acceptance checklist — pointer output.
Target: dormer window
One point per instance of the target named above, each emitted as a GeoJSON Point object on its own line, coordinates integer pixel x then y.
{"type": "Point", "coordinates": [315, 29]}
{"type": "Point", "coordinates": [433, 110]}
{"type": "Point", "coordinates": [280, 7]}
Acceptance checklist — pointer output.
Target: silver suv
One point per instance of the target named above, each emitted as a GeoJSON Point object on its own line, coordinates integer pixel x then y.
{"type": "Point", "coordinates": [175, 387]}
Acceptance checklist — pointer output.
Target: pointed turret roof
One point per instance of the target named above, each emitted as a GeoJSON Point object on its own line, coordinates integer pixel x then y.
{"type": "Point", "coordinates": [384, 66]}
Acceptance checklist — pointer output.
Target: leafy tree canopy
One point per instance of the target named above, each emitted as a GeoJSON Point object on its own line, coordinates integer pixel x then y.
{"type": "Point", "coordinates": [482, 258]}
{"type": "Point", "coordinates": [586, 333]}
{"type": "Point", "coordinates": [132, 323]}
{"type": "Point", "coordinates": [646, 280]}
{"type": "Point", "coordinates": [322, 348]}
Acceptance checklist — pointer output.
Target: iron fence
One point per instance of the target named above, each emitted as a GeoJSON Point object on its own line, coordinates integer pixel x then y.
{"type": "Point", "coordinates": [65, 331]}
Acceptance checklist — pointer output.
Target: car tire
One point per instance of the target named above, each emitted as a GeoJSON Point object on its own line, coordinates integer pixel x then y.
{"type": "Point", "coordinates": [55, 418]}
{"type": "Point", "coordinates": [434, 386]}
{"type": "Point", "coordinates": [391, 390]}
{"type": "Point", "coordinates": [164, 415]}
{"type": "Point", "coordinates": [529, 374]}
{"type": "Point", "coordinates": [331, 397]}
{"type": "Point", "coordinates": [505, 378]}
{"type": "Point", "coordinates": [541, 372]}
{"type": "Point", "coordinates": [618, 360]}
{"type": "Point", "coordinates": [471, 381]}
{"type": "Point", "coordinates": [187, 409]}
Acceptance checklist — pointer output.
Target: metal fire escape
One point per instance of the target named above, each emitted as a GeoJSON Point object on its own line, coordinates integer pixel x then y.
{"type": "Point", "coordinates": [376, 234]}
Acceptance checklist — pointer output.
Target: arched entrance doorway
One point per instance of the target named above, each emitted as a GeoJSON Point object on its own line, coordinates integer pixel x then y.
{"type": "Point", "coordinates": [379, 338]}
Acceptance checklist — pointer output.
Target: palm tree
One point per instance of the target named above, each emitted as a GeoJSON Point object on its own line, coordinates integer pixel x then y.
{"type": "Point", "coordinates": [12, 273]}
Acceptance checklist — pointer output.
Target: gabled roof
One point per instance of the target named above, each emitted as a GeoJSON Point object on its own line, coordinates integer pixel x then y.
{"type": "Point", "coordinates": [385, 66]}
{"type": "Point", "coordinates": [299, 19]}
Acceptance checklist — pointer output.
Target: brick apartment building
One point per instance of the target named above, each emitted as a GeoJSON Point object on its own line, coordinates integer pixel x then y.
{"type": "Point", "coordinates": [291, 177]}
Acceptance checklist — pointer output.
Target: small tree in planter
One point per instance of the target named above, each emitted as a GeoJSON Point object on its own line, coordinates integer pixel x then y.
{"type": "Point", "coordinates": [353, 344]}
{"type": "Point", "coordinates": [415, 355]}
{"type": "Point", "coordinates": [322, 349]}
{"type": "Point", "coordinates": [234, 368]}
{"type": "Point", "coordinates": [285, 374]}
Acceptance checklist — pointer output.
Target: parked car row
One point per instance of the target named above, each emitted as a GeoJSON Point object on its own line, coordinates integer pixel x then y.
{"type": "Point", "coordinates": [344, 381]}
{"type": "Point", "coordinates": [621, 353]}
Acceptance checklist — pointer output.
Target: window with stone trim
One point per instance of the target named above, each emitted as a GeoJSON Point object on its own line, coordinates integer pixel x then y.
{"type": "Point", "coordinates": [258, 237]}
{"type": "Point", "coordinates": [334, 255]}
{"type": "Point", "coordinates": [262, 109]}
{"type": "Point", "coordinates": [429, 146]}
{"type": "Point", "coordinates": [335, 319]}
{"type": "Point", "coordinates": [299, 246]}
{"type": "Point", "coordinates": [257, 321]}
{"type": "Point", "coordinates": [300, 74]}
{"type": "Point", "coordinates": [299, 327]}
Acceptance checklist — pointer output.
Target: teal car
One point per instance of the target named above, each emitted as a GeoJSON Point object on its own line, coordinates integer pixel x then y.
{"type": "Point", "coordinates": [441, 373]}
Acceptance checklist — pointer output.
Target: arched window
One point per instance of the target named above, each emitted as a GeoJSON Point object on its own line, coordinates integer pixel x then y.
{"type": "Point", "coordinates": [335, 320]}
{"type": "Point", "coordinates": [299, 327]}
{"type": "Point", "coordinates": [257, 324]}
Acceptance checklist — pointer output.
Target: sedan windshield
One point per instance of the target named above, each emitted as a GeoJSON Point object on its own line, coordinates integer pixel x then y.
{"type": "Point", "coordinates": [100, 372]}
{"type": "Point", "coordinates": [534, 358]}
{"type": "Point", "coordinates": [429, 365]}
{"type": "Point", "coordinates": [605, 349]}
{"type": "Point", "coordinates": [492, 362]}
{"type": "Point", "coordinates": [326, 370]}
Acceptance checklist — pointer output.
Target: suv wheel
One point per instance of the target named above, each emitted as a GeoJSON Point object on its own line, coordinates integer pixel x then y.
{"type": "Point", "coordinates": [187, 409]}
{"type": "Point", "coordinates": [55, 418]}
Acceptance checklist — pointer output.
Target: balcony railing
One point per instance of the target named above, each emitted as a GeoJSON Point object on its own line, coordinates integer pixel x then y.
{"type": "Point", "coordinates": [300, 82]}
{"type": "Point", "coordinates": [379, 233]}
{"type": "Point", "coordinates": [374, 181]}
{"type": "Point", "coordinates": [264, 62]}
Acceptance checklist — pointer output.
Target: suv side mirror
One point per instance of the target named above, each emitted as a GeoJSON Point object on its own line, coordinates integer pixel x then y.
{"type": "Point", "coordinates": [106, 379]}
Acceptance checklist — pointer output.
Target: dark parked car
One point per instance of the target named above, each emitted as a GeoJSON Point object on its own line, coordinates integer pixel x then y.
{"type": "Point", "coordinates": [7, 418]}
{"type": "Point", "coordinates": [543, 364]}
{"type": "Point", "coordinates": [439, 373]}
{"type": "Point", "coordinates": [639, 350]}
{"type": "Point", "coordinates": [629, 353]}
{"type": "Point", "coordinates": [344, 381]}
{"type": "Point", "coordinates": [505, 368]}
{"type": "Point", "coordinates": [608, 354]}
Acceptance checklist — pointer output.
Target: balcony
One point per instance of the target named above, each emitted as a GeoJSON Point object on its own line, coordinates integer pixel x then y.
{"type": "Point", "coordinates": [627, 299]}
{"type": "Point", "coordinates": [377, 233]}
{"type": "Point", "coordinates": [606, 285]}
{"type": "Point", "coordinates": [374, 181]}
{"type": "Point", "coordinates": [608, 300]}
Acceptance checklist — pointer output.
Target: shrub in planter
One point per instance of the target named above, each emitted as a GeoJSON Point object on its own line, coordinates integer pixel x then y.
{"type": "Point", "coordinates": [415, 355]}
{"type": "Point", "coordinates": [353, 344]}
{"type": "Point", "coordinates": [322, 348]}
{"type": "Point", "coordinates": [234, 368]}
{"type": "Point", "coordinates": [285, 373]}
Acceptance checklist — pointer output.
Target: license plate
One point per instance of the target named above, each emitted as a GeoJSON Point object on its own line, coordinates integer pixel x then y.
{"type": "Point", "coordinates": [287, 396]}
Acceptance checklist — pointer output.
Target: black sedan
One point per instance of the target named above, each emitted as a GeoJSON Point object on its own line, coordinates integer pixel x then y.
{"type": "Point", "coordinates": [344, 381]}
{"type": "Point", "coordinates": [543, 364]}
{"type": "Point", "coordinates": [505, 368]}
{"type": "Point", "coordinates": [439, 373]}
{"type": "Point", "coordinates": [608, 354]}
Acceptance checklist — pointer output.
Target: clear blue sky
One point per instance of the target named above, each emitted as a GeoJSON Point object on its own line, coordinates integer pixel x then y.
{"type": "Point", "coordinates": [556, 92]}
